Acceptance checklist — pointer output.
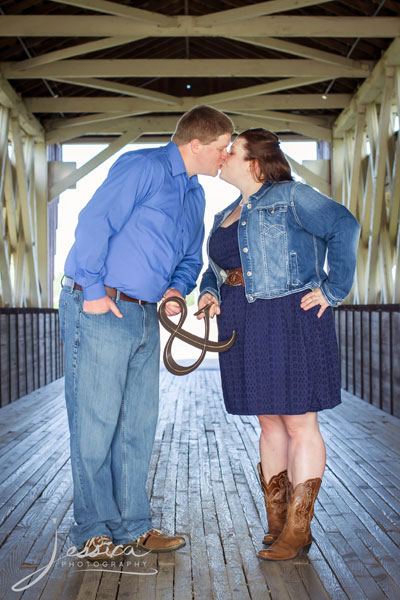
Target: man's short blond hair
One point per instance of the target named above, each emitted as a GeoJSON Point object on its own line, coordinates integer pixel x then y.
{"type": "Point", "coordinates": [203, 123]}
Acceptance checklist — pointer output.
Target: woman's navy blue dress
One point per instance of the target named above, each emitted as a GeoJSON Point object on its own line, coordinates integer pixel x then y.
{"type": "Point", "coordinates": [284, 360]}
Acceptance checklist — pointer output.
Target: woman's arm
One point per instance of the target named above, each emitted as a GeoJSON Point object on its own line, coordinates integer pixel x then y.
{"type": "Point", "coordinates": [323, 217]}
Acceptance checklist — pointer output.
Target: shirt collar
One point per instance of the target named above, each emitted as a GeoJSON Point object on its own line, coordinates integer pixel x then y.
{"type": "Point", "coordinates": [175, 158]}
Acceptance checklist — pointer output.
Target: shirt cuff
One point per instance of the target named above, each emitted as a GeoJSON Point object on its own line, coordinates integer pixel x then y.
{"type": "Point", "coordinates": [94, 291]}
{"type": "Point", "coordinates": [178, 286]}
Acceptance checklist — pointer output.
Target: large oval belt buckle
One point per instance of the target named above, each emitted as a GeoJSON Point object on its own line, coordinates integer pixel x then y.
{"type": "Point", "coordinates": [204, 344]}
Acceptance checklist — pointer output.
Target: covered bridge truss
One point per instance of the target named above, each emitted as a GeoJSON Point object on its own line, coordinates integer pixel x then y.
{"type": "Point", "coordinates": [95, 70]}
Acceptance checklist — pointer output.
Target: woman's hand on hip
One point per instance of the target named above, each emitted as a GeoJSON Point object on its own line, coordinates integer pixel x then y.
{"type": "Point", "coordinates": [206, 299]}
{"type": "Point", "coordinates": [312, 299]}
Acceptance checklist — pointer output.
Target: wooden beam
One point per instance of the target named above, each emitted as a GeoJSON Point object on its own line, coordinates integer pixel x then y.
{"type": "Point", "coordinates": [54, 124]}
{"type": "Point", "coordinates": [6, 284]}
{"type": "Point", "coordinates": [254, 10]}
{"type": "Point", "coordinates": [284, 116]}
{"type": "Point", "coordinates": [379, 185]}
{"type": "Point", "coordinates": [120, 88]}
{"type": "Point", "coordinates": [41, 191]}
{"type": "Point", "coordinates": [154, 125]}
{"type": "Point", "coordinates": [356, 162]}
{"type": "Point", "coordinates": [263, 88]}
{"type": "Point", "coordinates": [26, 213]}
{"type": "Point", "coordinates": [60, 187]}
{"type": "Point", "coordinates": [396, 284]}
{"type": "Point", "coordinates": [71, 51]}
{"type": "Point", "coordinates": [310, 177]}
{"type": "Point", "coordinates": [176, 67]}
{"type": "Point", "coordinates": [120, 10]}
{"type": "Point", "coordinates": [185, 26]}
{"type": "Point", "coordinates": [79, 104]}
{"type": "Point", "coordinates": [394, 217]}
{"type": "Point", "coordinates": [10, 99]}
{"type": "Point", "coordinates": [370, 90]}
{"type": "Point", "coordinates": [303, 51]}
{"type": "Point", "coordinates": [163, 138]}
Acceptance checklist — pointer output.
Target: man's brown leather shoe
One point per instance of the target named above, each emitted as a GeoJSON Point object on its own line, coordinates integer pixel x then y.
{"type": "Point", "coordinates": [101, 548]}
{"type": "Point", "coordinates": [155, 541]}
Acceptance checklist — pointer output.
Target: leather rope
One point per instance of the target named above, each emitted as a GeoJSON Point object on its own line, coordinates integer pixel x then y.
{"type": "Point", "coordinates": [204, 344]}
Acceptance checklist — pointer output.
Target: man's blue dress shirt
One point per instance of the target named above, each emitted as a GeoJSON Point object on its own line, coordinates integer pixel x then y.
{"type": "Point", "coordinates": [142, 231]}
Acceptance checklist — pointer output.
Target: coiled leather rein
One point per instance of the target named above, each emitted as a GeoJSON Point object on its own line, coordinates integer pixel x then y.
{"type": "Point", "coordinates": [204, 344]}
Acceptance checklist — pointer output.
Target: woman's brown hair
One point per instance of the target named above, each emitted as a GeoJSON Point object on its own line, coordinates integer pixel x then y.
{"type": "Point", "coordinates": [262, 146]}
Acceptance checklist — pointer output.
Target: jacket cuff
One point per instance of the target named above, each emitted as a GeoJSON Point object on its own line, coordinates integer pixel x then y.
{"type": "Point", "coordinates": [210, 290]}
{"type": "Point", "coordinates": [332, 300]}
{"type": "Point", "coordinates": [94, 291]}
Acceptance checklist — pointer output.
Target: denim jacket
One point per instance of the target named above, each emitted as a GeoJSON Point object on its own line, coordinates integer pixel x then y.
{"type": "Point", "coordinates": [285, 232]}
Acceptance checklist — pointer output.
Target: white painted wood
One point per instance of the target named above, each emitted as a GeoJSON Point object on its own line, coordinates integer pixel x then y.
{"type": "Point", "coordinates": [179, 67]}
{"type": "Point", "coordinates": [78, 104]}
{"type": "Point", "coordinates": [41, 186]}
{"type": "Point", "coordinates": [257, 9]}
{"type": "Point", "coordinates": [120, 10]}
{"type": "Point", "coordinates": [10, 99]}
{"type": "Point", "coordinates": [304, 51]}
{"type": "Point", "coordinates": [7, 294]}
{"type": "Point", "coordinates": [76, 50]}
{"type": "Point", "coordinates": [120, 88]}
{"type": "Point", "coordinates": [263, 88]}
{"type": "Point", "coordinates": [71, 179]}
{"type": "Point", "coordinates": [309, 177]}
{"type": "Point", "coordinates": [356, 161]}
{"type": "Point", "coordinates": [26, 219]}
{"type": "Point", "coordinates": [185, 26]}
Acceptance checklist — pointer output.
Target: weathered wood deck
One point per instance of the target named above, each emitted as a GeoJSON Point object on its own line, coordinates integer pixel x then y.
{"type": "Point", "coordinates": [204, 485]}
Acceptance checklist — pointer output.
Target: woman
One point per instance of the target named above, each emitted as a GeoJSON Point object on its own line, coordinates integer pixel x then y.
{"type": "Point", "coordinates": [266, 280]}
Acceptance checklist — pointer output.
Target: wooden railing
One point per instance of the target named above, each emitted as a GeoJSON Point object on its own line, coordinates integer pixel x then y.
{"type": "Point", "coordinates": [31, 351]}
{"type": "Point", "coordinates": [369, 345]}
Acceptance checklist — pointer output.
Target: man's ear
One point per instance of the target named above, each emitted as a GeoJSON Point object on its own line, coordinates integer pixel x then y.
{"type": "Point", "coordinates": [195, 146]}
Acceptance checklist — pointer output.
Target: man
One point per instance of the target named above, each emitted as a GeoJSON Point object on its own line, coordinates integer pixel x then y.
{"type": "Point", "coordinates": [138, 239]}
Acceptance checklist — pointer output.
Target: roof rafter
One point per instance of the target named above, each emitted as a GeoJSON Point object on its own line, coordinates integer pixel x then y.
{"type": "Point", "coordinates": [120, 10]}
{"type": "Point", "coordinates": [185, 68]}
{"type": "Point", "coordinates": [113, 105]}
{"type": "Point", "coordinates": [263, 88]}
{"type": "Point", "coordinates": [76, 50]}
{"type": "Point", "coordinates": [185, 26]}
{"type": "Point", "coordinates": [299, 50]}
{"type": "Point", "coordinates": [120, 88]}
{"type": "Point", "coordinates": [255, 10]}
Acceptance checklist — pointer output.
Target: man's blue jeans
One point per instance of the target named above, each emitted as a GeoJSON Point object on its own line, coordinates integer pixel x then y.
{"type": "Point", "coordinates": [111, 392]}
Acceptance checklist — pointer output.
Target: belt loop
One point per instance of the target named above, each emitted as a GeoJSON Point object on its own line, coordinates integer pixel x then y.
{"type": "Point", "coordinates": [117, 298]}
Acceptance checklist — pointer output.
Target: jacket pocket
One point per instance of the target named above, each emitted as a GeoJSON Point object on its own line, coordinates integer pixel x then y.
{"type": "Point", "coordinates": [273, 220]}
{"type": "Point", "coordinates": [274, 247]}
{"type": "Point", "coordinates": [294, 270]}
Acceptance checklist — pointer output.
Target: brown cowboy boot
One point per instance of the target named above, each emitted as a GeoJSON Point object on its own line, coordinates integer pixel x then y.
{"type": "Point", "coordinates": [275, 495]}
{"type": "Point", "coordinates": [296, 533]}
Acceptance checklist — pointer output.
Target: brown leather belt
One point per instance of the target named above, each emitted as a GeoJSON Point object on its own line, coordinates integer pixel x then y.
{"type": "Point", "coordinates": [112, 293]}
{"type": "Point", "coordinates": [234, 277]}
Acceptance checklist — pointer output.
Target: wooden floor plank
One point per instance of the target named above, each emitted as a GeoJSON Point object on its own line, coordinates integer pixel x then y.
{"type": "Point", "coordinates": [204, 485]}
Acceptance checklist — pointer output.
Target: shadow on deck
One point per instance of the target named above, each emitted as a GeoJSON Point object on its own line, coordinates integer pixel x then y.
{"type": "Point", "coordinates": [204, 485]}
